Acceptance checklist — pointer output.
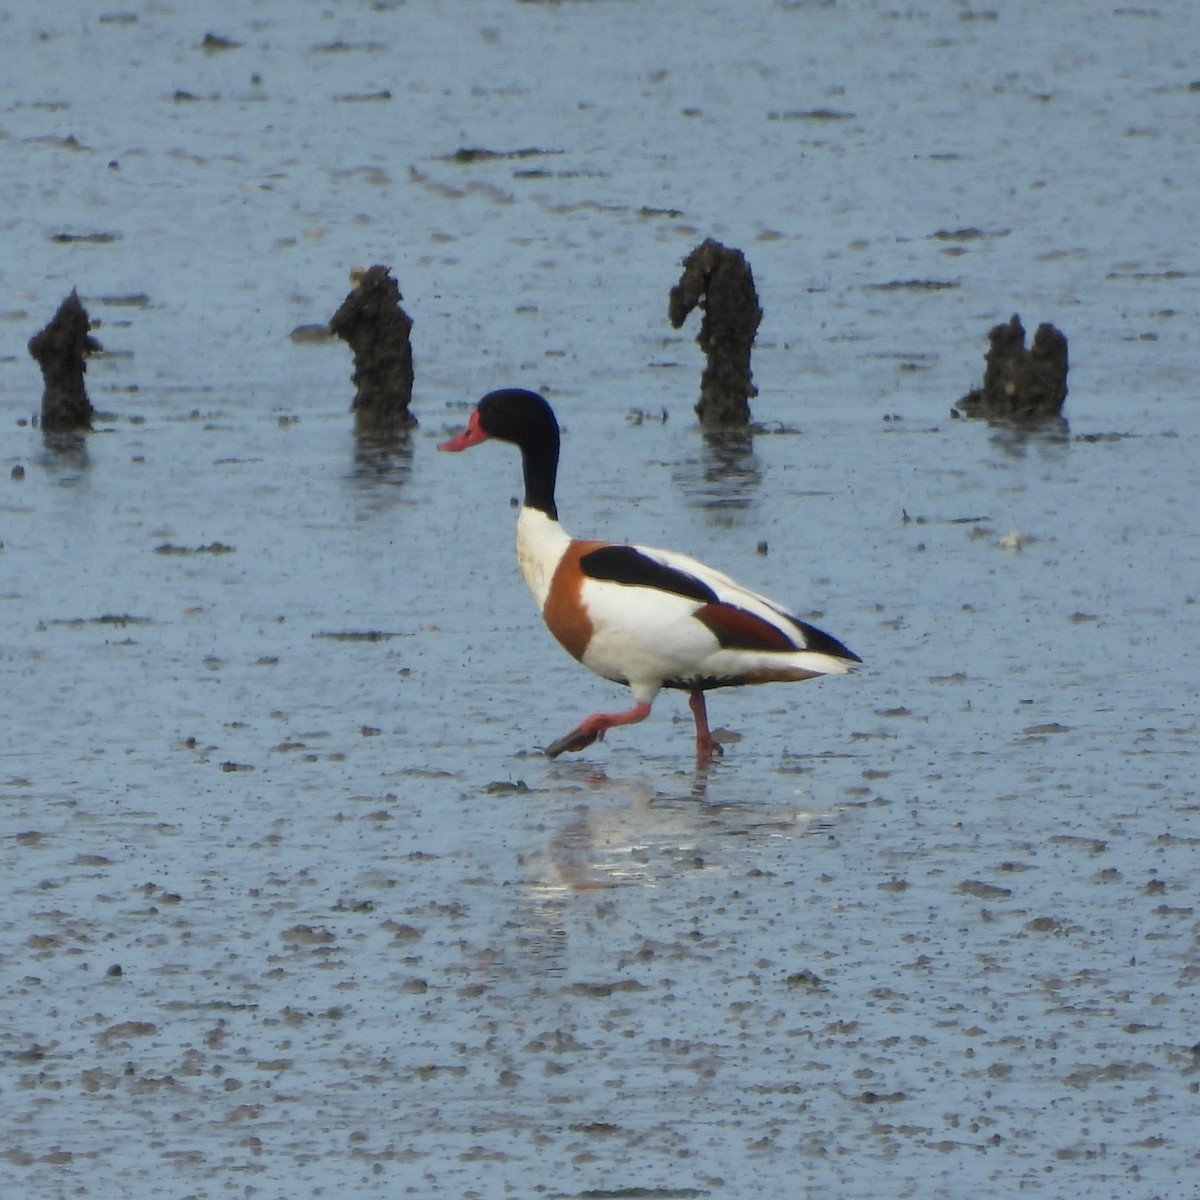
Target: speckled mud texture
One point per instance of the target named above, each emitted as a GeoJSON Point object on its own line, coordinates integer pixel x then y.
{"type": "Point", "coordinates": [291, 904]}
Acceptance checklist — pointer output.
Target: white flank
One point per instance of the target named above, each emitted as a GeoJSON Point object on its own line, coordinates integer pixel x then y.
{"type": "Point", "coordinates": [645, 636]}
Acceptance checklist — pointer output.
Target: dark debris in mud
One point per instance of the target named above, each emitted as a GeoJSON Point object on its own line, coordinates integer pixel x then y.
{"type": "Point", "coordinates": [311, 334]}
{"type": "Point", "coordinates": [472, 154]}
{"type": "Point", "coordinates": [99, 238]}
{"type": "Point", "coordinates": [118, 619]}
{"type": "Point", "coordinates": [363, 97]}
{"type": "Point", "coordinates": [982, 890]}
{"type": "Point", "coordinates": [212, 548]}
{"type": "Point", "coordinates": [356, 635]}
{"type": "Point", "coordinates": [914, 285]}
{"type": "Point", "coordinates": [810, 114]}
{"type": "Point", "coordinates": [216, 42]}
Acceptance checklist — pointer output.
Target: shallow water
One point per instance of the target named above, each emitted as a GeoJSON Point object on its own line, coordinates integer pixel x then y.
{"type": "Point", "coordinates": [292, 903]}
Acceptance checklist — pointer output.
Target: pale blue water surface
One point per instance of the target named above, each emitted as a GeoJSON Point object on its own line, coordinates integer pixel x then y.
{"type": "Point", "coordinates": [292, 905]}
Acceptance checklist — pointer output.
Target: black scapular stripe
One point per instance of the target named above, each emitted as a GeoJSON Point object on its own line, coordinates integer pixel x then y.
{"type": "Point", "coordinates": [628, 565]}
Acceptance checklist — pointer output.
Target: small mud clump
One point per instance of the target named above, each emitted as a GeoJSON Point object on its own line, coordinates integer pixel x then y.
{"type": "Point", "coordinates": [61, 350]}
{"type": "Point", "coordinates": [377, 329]}
{"type": "Point", "coordinates": [719, 280]}
{"type": "Point", "coordinates": [1020, 385]}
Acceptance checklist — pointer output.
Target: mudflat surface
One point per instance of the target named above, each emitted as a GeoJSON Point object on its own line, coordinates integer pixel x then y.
{"type": "Point", "coordinates": [291, 903]}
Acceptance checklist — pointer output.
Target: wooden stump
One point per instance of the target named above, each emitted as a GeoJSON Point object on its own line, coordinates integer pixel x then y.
{"type": "Point", "coordinates": [61, 350]}
{"type": "Point", "coordinates": [377, 329]}
{"type": "Point", "coordinates": [719, 280]}
{"type": "Point", "coordinates": [1020, 385]}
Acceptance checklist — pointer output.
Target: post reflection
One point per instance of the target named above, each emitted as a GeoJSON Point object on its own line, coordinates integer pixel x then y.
{"type": "Point", "coordinates": [382, 461]}
{"type": "Point", "coordinates": [726, 475]}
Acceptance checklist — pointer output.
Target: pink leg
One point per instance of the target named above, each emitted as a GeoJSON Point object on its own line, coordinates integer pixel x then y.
{"type": "Point", "coordinates": [706, 745]}
{"type": "Point", "coordinates": [593, 728]}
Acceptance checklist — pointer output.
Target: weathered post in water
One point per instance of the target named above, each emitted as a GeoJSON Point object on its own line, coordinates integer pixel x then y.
{"type": "Point", "coordinates": [1020, 385]}
{"type": "Point", "coordinates": [61, 350]}
{"type": "Point", "coordinates": [719, 280]}
{"type": "Point", "coordinates": [377, 329]}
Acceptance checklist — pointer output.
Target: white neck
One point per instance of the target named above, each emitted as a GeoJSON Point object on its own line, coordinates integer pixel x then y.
{"type": "Point", "coordinates": [541, 543]}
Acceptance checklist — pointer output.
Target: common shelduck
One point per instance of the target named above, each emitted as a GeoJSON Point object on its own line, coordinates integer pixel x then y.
{"type": "Point", "coordinates": [642, 617]}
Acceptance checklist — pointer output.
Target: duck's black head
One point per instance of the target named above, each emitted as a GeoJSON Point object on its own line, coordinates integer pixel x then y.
{"type": "Point", "coordinates": [527, 420]}
{"type": "Point", "coordinates": [517, 415]}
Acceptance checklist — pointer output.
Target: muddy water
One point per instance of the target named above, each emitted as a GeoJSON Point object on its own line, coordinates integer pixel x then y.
{"type": "Point", "coordinates": [291, 901]}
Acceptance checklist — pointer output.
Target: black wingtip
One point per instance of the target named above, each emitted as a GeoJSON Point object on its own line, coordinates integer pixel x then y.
{"type": "Point", "coordinates": [820, 642]}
